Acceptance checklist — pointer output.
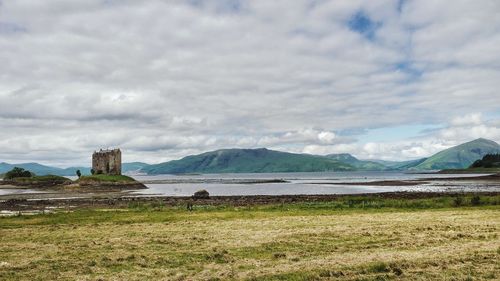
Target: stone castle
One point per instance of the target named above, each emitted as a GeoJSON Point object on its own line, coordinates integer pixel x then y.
{"type": "Point", "coordinates": [108, 161]}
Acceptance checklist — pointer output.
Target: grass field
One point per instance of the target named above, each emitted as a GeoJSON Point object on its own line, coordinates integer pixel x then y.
{"type": "Point", "coordinates": [106, 178]}
{"type": "Point", "coordinates": [306, 241]}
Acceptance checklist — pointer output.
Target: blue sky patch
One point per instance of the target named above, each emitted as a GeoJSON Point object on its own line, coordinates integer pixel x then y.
{"type": "Point", "coordinates": [363, 25]}
{"type": "Point", "coordinates": [408, 68]}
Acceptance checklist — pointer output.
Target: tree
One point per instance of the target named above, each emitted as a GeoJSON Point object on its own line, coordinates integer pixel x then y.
{"type": "Point", "coordinates": [92, 171]}
{"type": "Point", "coordinates": [17, 173]}
{"type": "Point", "coordinates": [78, 173]}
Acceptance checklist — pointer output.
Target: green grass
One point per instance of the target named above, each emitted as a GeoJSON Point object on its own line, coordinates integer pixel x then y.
{"type": "Point", "coordinates": [304, 241]}
{"type": "Point", "coordinates": [354, 238]}
{"type": "Point", "coordinates": [106, 178]}
{"type": "Point", "coordinates": [41, 179]}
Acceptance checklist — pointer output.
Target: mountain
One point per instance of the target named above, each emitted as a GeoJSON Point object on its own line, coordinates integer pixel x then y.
{"type": "Point", "coordinates": [399, 165]}
{"type": "Point", "coordinates": [36, 168]}
{"type": "Point", "coordinates": [364, 165]}
{"type": "Point", "coordinates": [41, 170]}
{"type": "Point", "coordinates": [269, 161]}
{"type": "Point", "coordinates": [71, 171]}
{"type": "Point", "coordinates": [259, 160]}
{"type": "Point", "coordinates": [133, 167]}
{"type": "Point", "coordinates": [460, 156]}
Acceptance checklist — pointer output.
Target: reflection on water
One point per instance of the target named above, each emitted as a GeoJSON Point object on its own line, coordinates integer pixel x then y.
{"type": "Point", "coordinates": [187, 189]}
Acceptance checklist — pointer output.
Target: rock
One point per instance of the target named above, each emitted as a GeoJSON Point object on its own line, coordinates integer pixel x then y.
{"type": "Point", "coordinates": [201, 194]}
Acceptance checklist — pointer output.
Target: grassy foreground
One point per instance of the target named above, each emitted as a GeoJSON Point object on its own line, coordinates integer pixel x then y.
{"type": "Point", "coordinates": [305, 241]}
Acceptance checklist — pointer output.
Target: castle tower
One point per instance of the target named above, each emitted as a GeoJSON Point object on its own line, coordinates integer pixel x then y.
{"type": "Point", "coordinates": [107, 162]}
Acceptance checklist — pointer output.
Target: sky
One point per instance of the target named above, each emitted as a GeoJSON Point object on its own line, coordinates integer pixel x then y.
{"type": "Point", "coordinates": [386, 79]}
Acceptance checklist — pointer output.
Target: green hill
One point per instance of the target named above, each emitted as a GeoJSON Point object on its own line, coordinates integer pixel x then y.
{"type": "Point", "coordinates": [362, 165]}
{"type": "Point", "coordinates": [487, 162]}
{"type": "Point", "coordinates": [36, 168]}
{"type": "Point", "coordinates": [399, 165]}
{"type": "Point", "coordinates": [460, 156]}
{"type": "Point", "coordinates": [40, 169]}
{"type": "Point", "coordinates": [248, 161]}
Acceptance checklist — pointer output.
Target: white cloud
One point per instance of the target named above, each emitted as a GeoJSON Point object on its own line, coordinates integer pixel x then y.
{"type": "Point", "coordinates": [163, 79]}
{"type": "Point", "coordinates": [469, 119]}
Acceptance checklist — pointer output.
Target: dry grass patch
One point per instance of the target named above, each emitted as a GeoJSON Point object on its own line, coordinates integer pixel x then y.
{"type": "Point", "coordinates": [449, 244]}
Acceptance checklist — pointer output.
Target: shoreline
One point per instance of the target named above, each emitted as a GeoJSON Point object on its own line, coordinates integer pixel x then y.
{"type": "Point", "coordinates": [116, 202]}
{"type": "Point", "coordinates": [111, 196]}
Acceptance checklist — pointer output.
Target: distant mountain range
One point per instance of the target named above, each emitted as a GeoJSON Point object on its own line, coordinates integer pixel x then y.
{"type": "Point", "coordinates": [40, 169]}
{"type": "Point", "coordinates": [263, 160]}
{"type": "Point", "coordinates": [248, 161]}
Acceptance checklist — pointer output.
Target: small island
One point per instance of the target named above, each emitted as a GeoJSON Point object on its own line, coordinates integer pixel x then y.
{"type": "Point", "coordinates": [108, 181]}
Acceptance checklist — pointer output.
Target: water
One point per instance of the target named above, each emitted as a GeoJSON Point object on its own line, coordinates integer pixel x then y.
{"type": "Point", "coordinates": [11, 191]}
{"type": "Point", "coordinates": [297, 183]}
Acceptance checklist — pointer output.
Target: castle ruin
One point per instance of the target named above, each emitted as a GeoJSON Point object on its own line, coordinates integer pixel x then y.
{"type": "Point", "coordinates": [108, 161]}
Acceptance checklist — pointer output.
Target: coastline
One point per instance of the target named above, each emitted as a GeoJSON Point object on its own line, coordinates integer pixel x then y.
{"type": "Point", "coordinates": [120, 200]}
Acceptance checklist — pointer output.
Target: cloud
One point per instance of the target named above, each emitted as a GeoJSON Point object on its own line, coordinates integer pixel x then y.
{"type": "Point", "coordinates": [163, 79]}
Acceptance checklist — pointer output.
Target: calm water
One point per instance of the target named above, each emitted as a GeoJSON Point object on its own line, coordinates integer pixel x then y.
{"type": "Point", "coordinates": [298, 183]}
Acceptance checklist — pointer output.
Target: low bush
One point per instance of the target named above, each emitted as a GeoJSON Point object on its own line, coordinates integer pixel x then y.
{"type": "Point", "coordinates": [201, 194]}
{"type": "Point", "coordinates": [458, 201]}
{"type": "Point", "coordinates": [476, 200]}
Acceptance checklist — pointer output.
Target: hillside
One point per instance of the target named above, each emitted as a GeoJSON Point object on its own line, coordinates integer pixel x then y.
{"type": "Point", "coordinates": [488, 161]}
{"type": "Point", "coordinates": [40, 169]}
{"type": "Point", "coordinates": [36, 168]}
{"type": "Point", "coordinates": [460, 156]}
{"type": "Point", "coordinates": [248, 161]}
{"type": "Point", "coordinates": [362, 165]}
{"type": "Point", "coordinates": [269, 161]}
{"type": "Point", "coordinates": [399, 165]}
{"type": "Point", "coordinates": [133, 167]}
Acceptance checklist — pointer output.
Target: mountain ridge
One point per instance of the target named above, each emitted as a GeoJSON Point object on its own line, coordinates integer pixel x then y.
{"type": "Point", "coordinates": [263, 160]}
{"type": "Point", "coordinates": [460, 156]}
{"type": "Point", "coordinates": [248, 161]}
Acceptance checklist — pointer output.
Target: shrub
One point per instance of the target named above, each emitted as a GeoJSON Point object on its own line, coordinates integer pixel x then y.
{"type": "Point", "coordinates": [201, 194]}
{"type": "Point", "coordinates": [18, 173]}
{"type": "Point", "coordinates": [458, 201]}
{"type": "Point", "coordinates": [475, 201]}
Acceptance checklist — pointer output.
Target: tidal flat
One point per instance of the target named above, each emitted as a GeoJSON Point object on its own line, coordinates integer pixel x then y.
{"type": "Point", "coordinates": [349, 238]}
